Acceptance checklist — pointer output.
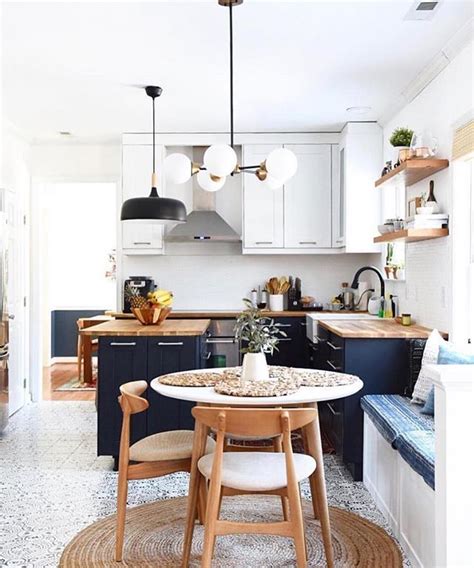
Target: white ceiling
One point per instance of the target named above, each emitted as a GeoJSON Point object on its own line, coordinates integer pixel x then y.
{"type": "Point", "coordinates": [298, 65]}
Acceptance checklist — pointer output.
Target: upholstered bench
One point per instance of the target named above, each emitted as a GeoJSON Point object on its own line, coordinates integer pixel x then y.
{"type": "Point", "coordinates": [399, 464]}
{"type": "Point", "coordinates": [394, 415]}
{"type": "Point", "coordinates": [417, 449]}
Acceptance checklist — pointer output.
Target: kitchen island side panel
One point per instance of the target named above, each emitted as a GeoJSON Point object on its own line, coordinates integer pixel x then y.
{"type": "Point", "coordinates": [382, 364]}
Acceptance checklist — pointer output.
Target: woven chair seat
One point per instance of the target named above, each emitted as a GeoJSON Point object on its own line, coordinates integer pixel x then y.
{"type": "Point", "coordinates": [173, 445]}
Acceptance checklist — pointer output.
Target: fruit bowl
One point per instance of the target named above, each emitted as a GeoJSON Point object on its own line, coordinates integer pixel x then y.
{"type": "Point", "coordinates": [151, 316]}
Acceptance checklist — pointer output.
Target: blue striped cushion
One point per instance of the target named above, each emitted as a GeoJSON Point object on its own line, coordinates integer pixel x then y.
{"type": "Point", "coordinates": [418, 450]}
{"type": "Point", "coordinates": [393, 414]}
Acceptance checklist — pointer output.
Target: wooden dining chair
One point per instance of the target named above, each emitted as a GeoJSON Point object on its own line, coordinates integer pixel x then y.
{"type": "Point", "coordinates": [153, 456]}
{"type": "Point", "coordinates": [231, 473]}
{"type": "Point", "coordinates": [81, 324]}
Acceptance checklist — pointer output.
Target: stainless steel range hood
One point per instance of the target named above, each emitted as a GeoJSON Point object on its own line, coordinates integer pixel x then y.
{"type": "Point", "coordinates": [204, 224]}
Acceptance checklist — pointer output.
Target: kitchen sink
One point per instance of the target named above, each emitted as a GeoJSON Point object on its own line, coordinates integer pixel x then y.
{"type": "Point", "coordinates": [313, 318]}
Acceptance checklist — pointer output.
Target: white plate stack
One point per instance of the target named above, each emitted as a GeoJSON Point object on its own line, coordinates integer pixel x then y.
{"type": "Point", "coordinates": [431, 221]}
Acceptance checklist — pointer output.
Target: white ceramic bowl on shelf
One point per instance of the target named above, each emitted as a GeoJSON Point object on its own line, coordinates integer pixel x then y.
{"type": "Point", "coordinates": [386, 228]}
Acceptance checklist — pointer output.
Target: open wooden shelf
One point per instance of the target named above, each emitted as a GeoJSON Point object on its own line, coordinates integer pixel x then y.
{"type": "Point", "coordinates": [412, 171]}
{"type": "Point", "coordinates": [412, 235]}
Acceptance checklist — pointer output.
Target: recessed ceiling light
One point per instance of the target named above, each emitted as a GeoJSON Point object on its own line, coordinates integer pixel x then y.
{"type": "Point", "coordinates": [65, 133]}
{"type": "Point", "coordinates": [358, 109]}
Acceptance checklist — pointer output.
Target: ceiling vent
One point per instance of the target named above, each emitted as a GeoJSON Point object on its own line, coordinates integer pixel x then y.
{"type": "Point", "coordinates": [422, 10]}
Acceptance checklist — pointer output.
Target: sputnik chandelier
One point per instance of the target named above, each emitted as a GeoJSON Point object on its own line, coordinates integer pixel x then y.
{"type": "Point", "coordinates": [220, 160]}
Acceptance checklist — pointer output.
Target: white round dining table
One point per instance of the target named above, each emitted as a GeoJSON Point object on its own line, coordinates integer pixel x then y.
{"type": "Point", "coordinates": [304, 396]}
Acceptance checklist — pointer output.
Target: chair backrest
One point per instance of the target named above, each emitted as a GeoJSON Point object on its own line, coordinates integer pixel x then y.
{"type": "Point", "coordinates": [131, 400]}
{"type": "Point", "coordinates": [263, 422]}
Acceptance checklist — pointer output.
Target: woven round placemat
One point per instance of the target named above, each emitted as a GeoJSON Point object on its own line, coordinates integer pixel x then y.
{"type": "Point", "coordinates": [154, 537]}
{"type": "Point", "coordinates": [208, 379]}
{"type": "Point", "coordinates": [281, 387]}
{"type": "Point", "coordinates": [318, 378]}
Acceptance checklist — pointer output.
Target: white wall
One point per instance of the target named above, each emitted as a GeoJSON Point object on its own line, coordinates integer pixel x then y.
{"type": "Point", "coordinates": [427, 294]}
{"type": "Point", "coordinates": [79, 220]}
{"type": "Point", "coordinates": [76, 162]}
{"type": "Point", "coordinates": [221, 281]}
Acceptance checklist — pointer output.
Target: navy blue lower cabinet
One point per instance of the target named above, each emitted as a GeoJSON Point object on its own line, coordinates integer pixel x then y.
{"type": "Point", "coordinates": [124, 359]}
{"type": "Point", "coordinates": [121, 360]}
{"type": "Point", "coordinates": [170, 355]}
{"type": "Point", "coordinates": [382, 364]}
{"type": "Point", "coordinates": [292, 348]}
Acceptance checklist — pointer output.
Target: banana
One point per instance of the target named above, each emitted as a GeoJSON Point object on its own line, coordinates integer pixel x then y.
{"type": "Point", "coordinates": [161, 297]}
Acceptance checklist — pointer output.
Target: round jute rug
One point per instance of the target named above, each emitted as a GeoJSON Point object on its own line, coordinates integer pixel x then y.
{"type": "Point", "coordinates": [154, 537]}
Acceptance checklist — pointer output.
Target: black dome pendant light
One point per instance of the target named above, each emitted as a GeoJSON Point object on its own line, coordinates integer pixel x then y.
{"type": "Point", "coordinates": [154, 207]}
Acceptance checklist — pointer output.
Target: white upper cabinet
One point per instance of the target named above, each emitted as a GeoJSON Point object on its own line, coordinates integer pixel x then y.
{"type": "Point", "coordinates": [141, 237]}
{"type": "Point", "coordinates": [307, 198]}
{"type": "Point", "coordinates": [361, 160]}
{"type": "Point", "coordinates": [263, 207]}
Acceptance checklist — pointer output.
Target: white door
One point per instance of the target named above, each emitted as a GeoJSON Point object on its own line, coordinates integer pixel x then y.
{"type": "Point", "coordinates": [136, 182]}
{"type": "Point", "coordinates": [16, 271]}
{"type": "Point", "coordinates": [263, 207]}
{"type": "Point", "coordinates": [308, 198]}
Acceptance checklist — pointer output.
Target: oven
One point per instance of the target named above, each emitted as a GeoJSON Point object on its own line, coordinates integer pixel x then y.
{"type": "Point", "coordinates": [221, 348]}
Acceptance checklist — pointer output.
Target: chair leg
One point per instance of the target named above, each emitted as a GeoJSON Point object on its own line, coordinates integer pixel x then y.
{"type": "Point", "coordinates": [122, 491]}
{"type": "Point", "coordinates": [202, 500]}
{"type": "Point", "coordinates": [296, 516]}
{"type": "Point", "coordinates": [79, 357]}
{"type": "Point", "coordinates": [277, 447]}
{"type": "Point", "coordinates": [212, 514]}
{"type": "Point", "coordinates": [312, 479]}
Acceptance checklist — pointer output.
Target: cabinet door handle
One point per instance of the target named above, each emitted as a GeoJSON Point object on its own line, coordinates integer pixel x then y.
{"type": "Point", "coordinates": [207, 356]}
{"type": "Point", "coordinates": [308, 243]}
{"type": "Point", "coordinates": [283, 324]}
{"type": "Point", "coordinates": [221, 340]}
{"type": "Point", "coordinates": [334, 347]}
{"type": "Point", "coordinates": [123, 344]}
{"type": "Point", "coordinates": [286, 339]}
{"type": "Point", "coordinates": [302, 323]}
{"type": "Point", "coordinates": [333, 367]}
{"type": "Point", "coordinates": [142, 242]}
{"type": "Point", "coordinates": [331, 408]}
{"type": "Point", "coordinates": [170, 343]}
{"type": "Point", "coordinates": [263, 242]}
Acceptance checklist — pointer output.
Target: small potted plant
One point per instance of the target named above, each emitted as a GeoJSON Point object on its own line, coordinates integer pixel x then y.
{"type": "Point", "coordinates": [259, 335]}
{"type": "Point", "coordinates": [401, 140]}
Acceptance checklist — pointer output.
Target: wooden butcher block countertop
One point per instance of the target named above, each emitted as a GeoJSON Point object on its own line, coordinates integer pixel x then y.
{"type": "Point", "coordinates": [375, 329]}
{"type": "Point", "coordinates": [134, 327]}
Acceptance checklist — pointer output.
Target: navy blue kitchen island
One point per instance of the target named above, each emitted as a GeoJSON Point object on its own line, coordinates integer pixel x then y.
{"type": "Point", "coordinates": [129, 351]}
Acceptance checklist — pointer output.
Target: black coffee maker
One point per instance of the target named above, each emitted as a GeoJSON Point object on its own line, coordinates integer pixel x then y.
{"type": "Point", "coordinates": [143, 284]}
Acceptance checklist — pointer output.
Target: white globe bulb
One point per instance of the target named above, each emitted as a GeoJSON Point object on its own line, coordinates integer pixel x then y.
{"type": "Point", "coordinates": [177, 168]}
{"type": "Point", "coordinates": [220, 160]}
{"type": "Point", "coordinates": [205, 181]}
{"type": "Point", "coordinates": [281, 164]}
{"type": "Point", "coordinates": [272, 183]}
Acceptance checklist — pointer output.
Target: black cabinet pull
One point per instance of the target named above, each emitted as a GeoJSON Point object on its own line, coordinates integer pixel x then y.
{"type": "Point", "coordinates": [334, 347]}
{"type": "Point", "coordinates": [123, 344]}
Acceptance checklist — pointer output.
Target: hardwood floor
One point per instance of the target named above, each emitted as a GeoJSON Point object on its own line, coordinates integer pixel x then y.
{"type": "Point", "coordinates": [59, 374]}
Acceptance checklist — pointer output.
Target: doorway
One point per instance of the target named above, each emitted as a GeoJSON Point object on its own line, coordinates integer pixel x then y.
{"type": "Point", "coordinates": [75, 277]}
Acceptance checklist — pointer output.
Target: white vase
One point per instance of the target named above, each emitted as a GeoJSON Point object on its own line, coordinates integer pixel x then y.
{"type": "Point", "coordinates": [254, 368]}
{"type": "Point", "coordinates": [276, 302]}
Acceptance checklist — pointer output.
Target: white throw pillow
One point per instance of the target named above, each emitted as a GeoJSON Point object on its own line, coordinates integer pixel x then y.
{"type": "Point", "coordinates": [430, 357]}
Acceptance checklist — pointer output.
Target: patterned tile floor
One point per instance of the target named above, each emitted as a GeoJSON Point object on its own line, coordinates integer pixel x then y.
{"type": "Point", "coordinates": [52, 484]}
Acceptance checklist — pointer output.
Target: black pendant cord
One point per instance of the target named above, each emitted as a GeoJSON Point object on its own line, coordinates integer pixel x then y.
{"type": "Point", "coordinates": [153, 134]}
{"type": "Point", "coordinates": [231, 77]}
